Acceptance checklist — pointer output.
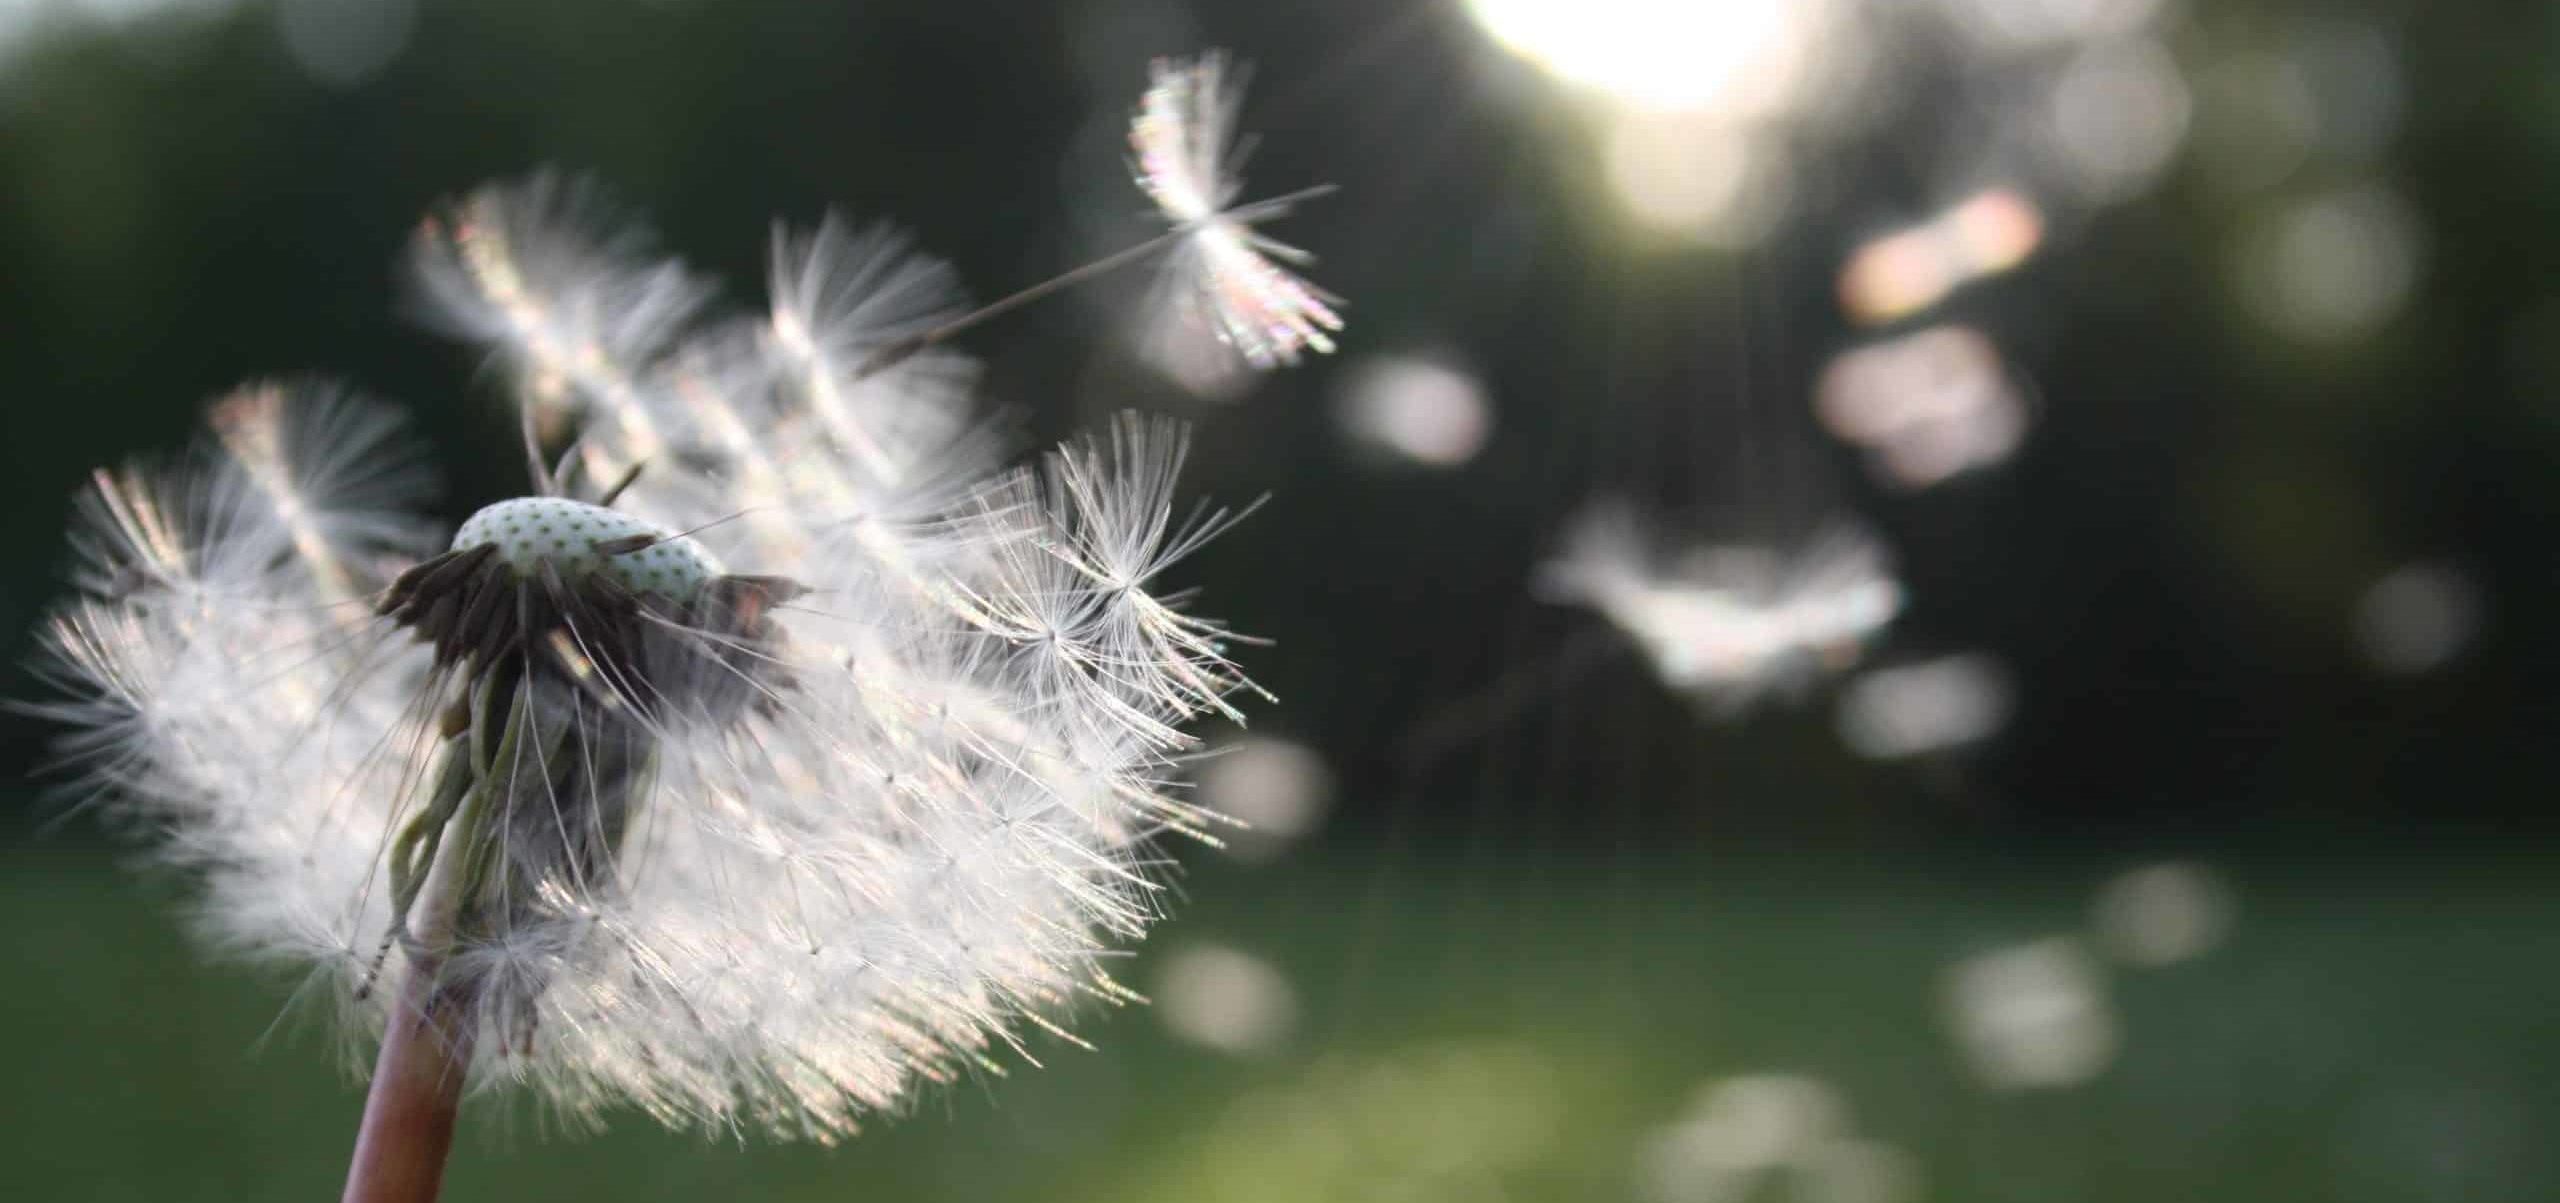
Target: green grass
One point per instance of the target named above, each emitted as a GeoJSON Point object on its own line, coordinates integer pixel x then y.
{"type": "Point", "coordinates": [1514, 1031]}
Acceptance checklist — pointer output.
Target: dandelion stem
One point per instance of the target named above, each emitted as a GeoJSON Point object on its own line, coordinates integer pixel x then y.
{"type": "Point", "coordinates": [417, 1091]}
{"type": "Point", "coordinates": [410, 1110]}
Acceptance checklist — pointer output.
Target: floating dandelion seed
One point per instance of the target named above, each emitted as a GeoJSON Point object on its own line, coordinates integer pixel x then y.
{"type": "Point", "coordinates": [2032, 1016]}
{"type": "Point", "coordinates": [1924, 406]}
{"type": "Point", "coordinates": [1924, 707]}
{"type": "Point", "coordinates": [1225, 999]}
{"type": "Point", "coordinates": [780, 755]}
{"type": "Point", "coordinates": [1741, 1133]}
{"type": "Point", "coordinates": [1277, 790]}
{"type": "Point", "coordinates": [2164, 913]}
{"type": "Point", "coordinates": [1222, 277]}
{"type": "Point", "coordinates": [1728, 625]}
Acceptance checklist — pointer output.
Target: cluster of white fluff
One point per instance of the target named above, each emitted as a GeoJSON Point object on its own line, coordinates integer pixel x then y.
{"type": "Point", "coordinates": [1728, 624]}
{"type": "Point", "coordinates": [925, 835]}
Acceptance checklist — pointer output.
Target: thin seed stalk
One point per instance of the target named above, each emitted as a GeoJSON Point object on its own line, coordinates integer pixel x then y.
{"type": "Point", "coordinates": [410, 1111]}
{"type": "Point", "coordinates": [416, 1094]}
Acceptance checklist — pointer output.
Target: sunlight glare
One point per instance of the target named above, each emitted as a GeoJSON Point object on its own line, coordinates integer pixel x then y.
{"type": "Point", "coordinates": [1681, 174]}
{"type": "Point", "coordinates": [1669, 55]}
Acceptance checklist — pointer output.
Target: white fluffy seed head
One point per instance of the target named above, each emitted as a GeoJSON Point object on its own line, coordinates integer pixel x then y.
{"type": "Point", "coordinates": [921, 830]}
{"type": "Point", "coordinates": [578, 539]}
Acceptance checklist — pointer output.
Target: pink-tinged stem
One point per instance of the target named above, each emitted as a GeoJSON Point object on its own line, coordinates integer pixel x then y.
{"type": "Point", "coordinates": [426, 1043]}
{"type": "Point", "coordinates": [417, 1089]}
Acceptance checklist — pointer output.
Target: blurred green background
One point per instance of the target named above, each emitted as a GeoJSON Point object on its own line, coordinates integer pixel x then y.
{"type": "Point", "coordinates": [2374, 1031]}
{"type": "Point", "coordinates": [2246, 897]}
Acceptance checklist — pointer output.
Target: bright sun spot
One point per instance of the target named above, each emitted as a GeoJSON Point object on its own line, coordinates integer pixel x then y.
{"type": "Point", "coordinates": [1670, 55]}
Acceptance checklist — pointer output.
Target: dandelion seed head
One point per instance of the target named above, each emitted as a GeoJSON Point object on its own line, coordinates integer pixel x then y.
{"type": "Point", "coordinates": [819, 766]}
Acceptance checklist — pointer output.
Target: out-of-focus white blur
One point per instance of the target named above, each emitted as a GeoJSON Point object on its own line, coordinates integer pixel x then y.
{"type": "Point", "coordinates": [1857, 1171]}
{"type": "Point", "coordinates": [2333, 266]}
{"type": "Point", "coordinates": [2165, 913]}
{"type": "Point", "coordinates": [1225, 999]}
{"type": "Point", "coordinates": [336, 43]}
{"type": "Point", "coordinates": [1735, 1132]}
{"type": "Point", "coordinates": [1729, 624]}
{"type": "Point", "coordinates": [1905, 271]}
{"type": "Point", "coordinates": [2114, 117]}
{"type": "Point", "coordinates": [1930, 706]}
{"type": "Point", "coordinates": [2011, 26]}
{"type": "Point", "coordinates": [1742, 1134]}
{"type": "Point", "coordinates": [1279, 789]}
{"type": "Point", "coordinates": [2417, 618]}
{"type": "Point", "coordinates": [1925, 406]}
{"type": "Point", "coordinates": [2328, 93]}
{"type": "Point", "coordinates": [1418, 408]}
{"type": "Point", "coordinates": [2034, 1015]}
{"type": "Point", "coordinates": [26, 23]}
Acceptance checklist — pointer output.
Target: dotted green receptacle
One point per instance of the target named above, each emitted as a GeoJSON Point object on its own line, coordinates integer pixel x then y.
{"type": "Point", "coordinates": [529, 530]}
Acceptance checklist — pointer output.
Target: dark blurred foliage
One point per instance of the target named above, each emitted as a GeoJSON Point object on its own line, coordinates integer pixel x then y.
{"type": "Point", "coordinates": [2169, 564]}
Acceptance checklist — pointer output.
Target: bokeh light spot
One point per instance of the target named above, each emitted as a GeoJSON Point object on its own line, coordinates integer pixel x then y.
{"type": "Point", "coordinates": [1925, 406]}
{"type": "Point", "coordinates": [1902, 272]}
{"type": "Point", "coordinates": [1225, 999]}
{"type": "Point", "coordinates": [2165, 913]}
{"type": "Point", "coordinates": [1415, 407]}
{"type": "Point", "coordinates": [2335, 266]}
{"type": "Point", "coordinates": [2115, 117]}
{"type": "Point", "coordinates": [2031, 1016]}
{"type": "Point", "coordinates": [2417, 618]}
{"type": "Point", "coordinates": [1279, 789]}
{"type": "Point", "coordinates": [345, 42]}
{"type": "Point", "coordinates": [1932, 706]}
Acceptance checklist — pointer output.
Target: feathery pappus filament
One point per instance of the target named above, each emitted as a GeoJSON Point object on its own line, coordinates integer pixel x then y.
{"type": "Point", "coordinates": [1187, 157]}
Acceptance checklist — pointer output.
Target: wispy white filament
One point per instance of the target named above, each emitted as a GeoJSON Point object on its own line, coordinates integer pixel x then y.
{"type": "Point", "coordinates": [925, 832]}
